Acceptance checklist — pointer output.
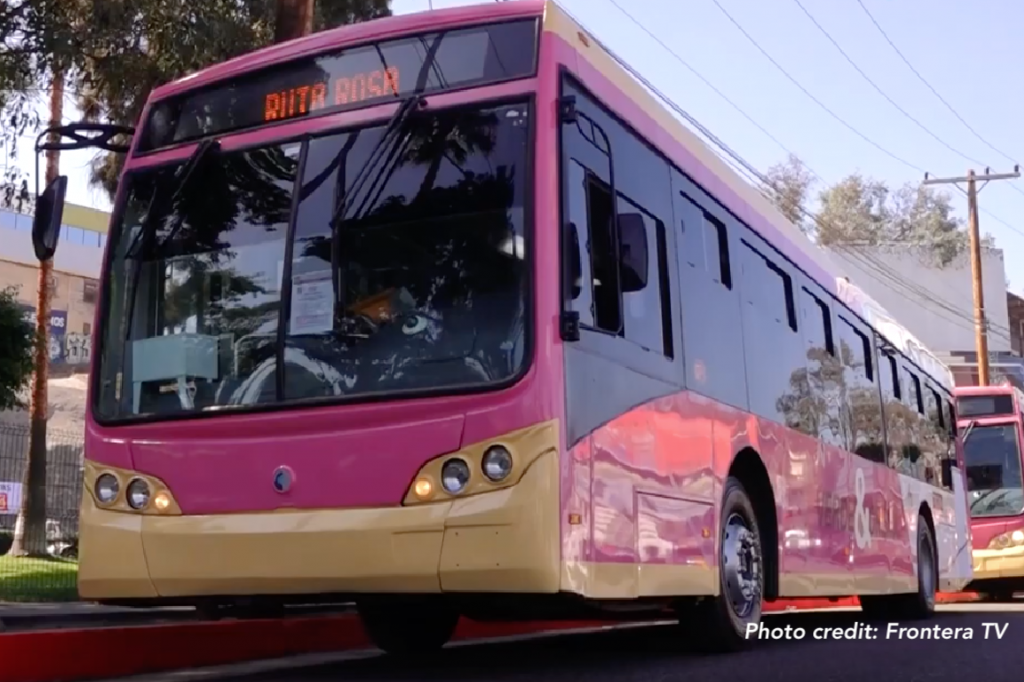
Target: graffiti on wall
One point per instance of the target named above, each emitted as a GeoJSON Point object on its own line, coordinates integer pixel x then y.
{"type": "Point", "coordinates": [77, 348]}
{"type": "Point", "coordinates": [65, 348]}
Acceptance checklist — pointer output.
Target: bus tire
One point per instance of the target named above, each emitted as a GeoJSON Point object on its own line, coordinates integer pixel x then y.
{"type": "Point", "coordinates": [918, 605]}
{"type": "Point", "coordinates": [719, 624]}
{"type": "Point", "coordinates": [408, 625]}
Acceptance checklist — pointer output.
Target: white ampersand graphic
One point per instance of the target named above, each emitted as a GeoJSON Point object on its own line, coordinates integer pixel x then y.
{"type": "Point", "coordinates": [861, 520]}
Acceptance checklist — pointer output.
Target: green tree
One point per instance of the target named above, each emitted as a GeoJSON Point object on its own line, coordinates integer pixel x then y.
{"type": "Point", "coordinates": [151, 42]}
{"type": "Point", "coordinates": [17, 340]}
{"type": "Point", "coordinates": [789, 186]}
{"type": "Point", "coordinates": [865, 211]}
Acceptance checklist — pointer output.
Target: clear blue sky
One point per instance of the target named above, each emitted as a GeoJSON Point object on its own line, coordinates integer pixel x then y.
{"type": "Point", "coordinates": [966, 51]}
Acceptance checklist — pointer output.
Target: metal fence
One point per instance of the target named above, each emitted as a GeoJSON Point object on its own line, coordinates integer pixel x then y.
{"type": "Point", "coordinates": [54, 577]}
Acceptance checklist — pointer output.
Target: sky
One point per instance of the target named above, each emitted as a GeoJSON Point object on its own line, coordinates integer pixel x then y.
{"type": "Point", "coordinates": [965, 52]}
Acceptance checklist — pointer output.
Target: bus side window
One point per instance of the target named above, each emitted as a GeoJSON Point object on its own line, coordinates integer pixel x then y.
{"type": "Point", "coordinates": [863, 401]}
{"type": "Point", "coordinates": [892, 393]}
{"type": "Point", "coordinates": [935, 438]}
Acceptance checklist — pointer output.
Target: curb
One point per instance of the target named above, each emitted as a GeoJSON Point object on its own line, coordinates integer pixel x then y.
{"type": "Point", "coordinates": [74, 655]}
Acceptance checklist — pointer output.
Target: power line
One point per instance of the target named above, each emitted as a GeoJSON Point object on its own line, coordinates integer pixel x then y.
{"type": "Point", "coordinates": [810, 96]}
{"type": "Point", "coordinates": [928, 85]}
{"type": "Point", "coordinates": [903, 287]}
{"type": "Point", "coordinates": [711, 85]}
{"type": "Point", "coordinates": [878, 89]}
{"type": "Point", "coordinates": [834, 115]}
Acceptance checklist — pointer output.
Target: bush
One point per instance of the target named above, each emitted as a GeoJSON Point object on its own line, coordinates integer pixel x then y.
{"type": "Point", "coordinates": [17, 339]}
{"type": "Point", "coordinates": [6, 540]}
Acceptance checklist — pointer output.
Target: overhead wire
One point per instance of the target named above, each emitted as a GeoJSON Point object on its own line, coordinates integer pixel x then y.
{"type": "Point", "coordinates": [878, 88]}
{"type": "Point", "coordinates": [908, 290]}
{"type": "Point", "coordinates": [841, 120]}
{"type": "Point", "coordinates": [924, 81]}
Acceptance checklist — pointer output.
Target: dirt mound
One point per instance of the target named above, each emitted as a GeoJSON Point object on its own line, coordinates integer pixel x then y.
{"type": "Point", "coordinates": [66, 410]}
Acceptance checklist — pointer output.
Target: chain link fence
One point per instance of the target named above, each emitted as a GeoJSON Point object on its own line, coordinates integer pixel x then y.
{"type": "Point", "coordinates": [54, 577]}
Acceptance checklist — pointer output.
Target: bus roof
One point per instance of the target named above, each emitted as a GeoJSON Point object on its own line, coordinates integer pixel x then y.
{"type": "Point", "coordinates": [1000, 389]}
{"type": "Point", "coordinates": [352, 34]}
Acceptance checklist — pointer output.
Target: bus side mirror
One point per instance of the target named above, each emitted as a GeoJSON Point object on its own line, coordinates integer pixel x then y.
{"type": "Point", "coordinates": [947, 473]}
{"type": "Point", "coordinates": [632, 252]}
{"type": "Point", "coordinates": [46, 222]}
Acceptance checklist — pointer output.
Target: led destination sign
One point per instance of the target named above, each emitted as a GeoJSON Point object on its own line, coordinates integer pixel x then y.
{"type": "Point", "coordinates": [310, 98]}
{"type": "Point", "coordinates": [353, 77]}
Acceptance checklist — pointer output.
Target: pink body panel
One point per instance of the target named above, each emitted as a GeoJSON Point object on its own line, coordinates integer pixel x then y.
{"type": "Point", "coordinates": [350, 456]}
{"type": "Point", "coordinates": [984, 530]}
{"type": "Point", "coordinates": [647, 484]}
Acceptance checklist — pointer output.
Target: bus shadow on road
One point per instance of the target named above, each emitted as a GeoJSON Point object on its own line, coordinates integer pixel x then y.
{"type": "Point", "coordinates": [610, 652]}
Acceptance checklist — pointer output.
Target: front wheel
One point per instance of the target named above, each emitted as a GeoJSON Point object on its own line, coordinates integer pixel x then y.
{"type": "Point", "coordinates": [408, 625]}
{"type": "Point", "coordinates": [720, 624]}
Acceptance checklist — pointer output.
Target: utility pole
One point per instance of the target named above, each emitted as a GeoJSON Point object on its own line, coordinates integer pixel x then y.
{"type": "Point", "coordinates": [30, 526]}
{"type": "Point", "coordinates": [980, 322]}
{"type": "Point", "coordinates": [294, 19]}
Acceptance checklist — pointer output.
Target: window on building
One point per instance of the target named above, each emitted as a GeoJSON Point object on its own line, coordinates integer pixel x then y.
{"type": "Point", "coordinates": [90, 289]}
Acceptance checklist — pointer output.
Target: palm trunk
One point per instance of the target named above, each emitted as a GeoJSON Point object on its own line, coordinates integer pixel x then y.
{"type": "Point", "coordinates": [294, 19]}
{"type": "Point", "coordinates": [30, 527]}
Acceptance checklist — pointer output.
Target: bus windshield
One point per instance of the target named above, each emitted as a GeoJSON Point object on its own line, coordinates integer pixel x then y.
{"type": "Point", "coordinates": [419, 285]}
{"type": "Point", "coordinates": [994, 483]}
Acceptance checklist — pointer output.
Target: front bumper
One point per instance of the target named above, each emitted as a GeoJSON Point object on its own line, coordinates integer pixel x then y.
{"type": "Point", "coordinates": [500, 541]}
{"type": "Point", "coordinates": [998, 563]}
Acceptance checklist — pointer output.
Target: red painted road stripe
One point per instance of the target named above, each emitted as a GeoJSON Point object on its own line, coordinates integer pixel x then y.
{"type": "Point", "coordinates": [94, 653]}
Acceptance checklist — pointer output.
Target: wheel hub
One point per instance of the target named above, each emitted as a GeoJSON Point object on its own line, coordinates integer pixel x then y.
{"type": "Point", "coordinates": [741, 567]}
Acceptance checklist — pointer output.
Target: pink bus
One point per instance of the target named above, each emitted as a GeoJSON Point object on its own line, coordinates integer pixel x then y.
{"type": "Point", "coordinates": [991, 427]}
{"type": "Point", "coordinates": [446, 315]}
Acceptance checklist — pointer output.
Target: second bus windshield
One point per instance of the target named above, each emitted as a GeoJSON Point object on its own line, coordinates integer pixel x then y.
{"type": "Point", "coordinates": [994, 479]}
{"type": "Point", "coordinates": [423, 286]}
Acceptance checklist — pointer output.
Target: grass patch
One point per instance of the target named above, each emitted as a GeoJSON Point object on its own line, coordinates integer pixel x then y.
{"type": "Point", "coordinates": [38, 580]}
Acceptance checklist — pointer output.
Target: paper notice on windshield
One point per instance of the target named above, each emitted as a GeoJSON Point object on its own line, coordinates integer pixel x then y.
{"type": "Point", "coordinates": [312, 303]}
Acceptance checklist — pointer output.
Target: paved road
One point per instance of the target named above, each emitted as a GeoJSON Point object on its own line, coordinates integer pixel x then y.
{"type": "Point", "coordinates": [649, 654]}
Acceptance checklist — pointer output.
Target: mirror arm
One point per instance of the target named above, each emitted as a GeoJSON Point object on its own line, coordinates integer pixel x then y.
{"type": "Point", "coordinates": [82, 135]}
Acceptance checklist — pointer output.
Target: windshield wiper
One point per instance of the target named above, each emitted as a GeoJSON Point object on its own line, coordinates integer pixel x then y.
{"type": "Point", "coordinates": [386, 149]}
{"type": "Point", "coordinates": [970, 428]}
{"type": "Point", "coordinates": [165, 195]}
{"type": "Point", "coordinates": [986, 495]}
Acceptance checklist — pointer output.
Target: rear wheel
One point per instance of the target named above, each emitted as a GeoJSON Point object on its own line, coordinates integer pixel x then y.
{"type": "Point", "coordinates": [919, 605]}
{"type": "Point", "coordinates": [408, 625]}
{"type": "Point", "coordinates": [719, 624]}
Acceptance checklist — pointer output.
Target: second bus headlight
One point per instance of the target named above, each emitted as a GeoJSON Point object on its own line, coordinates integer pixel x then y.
{"type": "Point", "coordinates": [138, 494]}
{"type": "Point", "coordinates": [497, 463]}
{"type": "Point", "coordinates": [454, 476]}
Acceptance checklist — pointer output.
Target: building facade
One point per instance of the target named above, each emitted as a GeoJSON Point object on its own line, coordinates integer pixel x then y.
{"type": "Point", "coordinates": [74, 284]}
{"type": "Point", "coordinates": [936, 303]}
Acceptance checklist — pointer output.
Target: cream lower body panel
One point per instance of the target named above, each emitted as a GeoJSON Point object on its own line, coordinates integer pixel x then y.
{"type": "Point", "coordinates": [502, 541]}
{"type": "Point", "coordinates": [998, 563]}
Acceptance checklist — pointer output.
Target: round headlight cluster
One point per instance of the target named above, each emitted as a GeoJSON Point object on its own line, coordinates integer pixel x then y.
{"type": "Point", "coordinates": [138, 494]}
{"type": "Point", "coordinates": [106, 488]}
{"type": "Point", "coordinates": [497, 464]}
{"type": "Point", "coordinates": [456, 472]}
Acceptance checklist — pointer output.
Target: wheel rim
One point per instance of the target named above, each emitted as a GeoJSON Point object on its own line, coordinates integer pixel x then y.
{"type": "Point", "coordinates": [926, 570]}
{"type": "Point", "coordinates": [741, 567]}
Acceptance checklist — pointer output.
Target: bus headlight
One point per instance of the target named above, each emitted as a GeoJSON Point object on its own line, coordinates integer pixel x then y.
{"type": "Point", "coordinates": [497, 463]}
{"type": "Point", "coordinates": [454, 476]}
{"type": "Point", "coordinates": [138, 494]}
{"type": "Point", "coordinates": [106, 488]}
{"type": "Point", "coordinates": [1007, 540]}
